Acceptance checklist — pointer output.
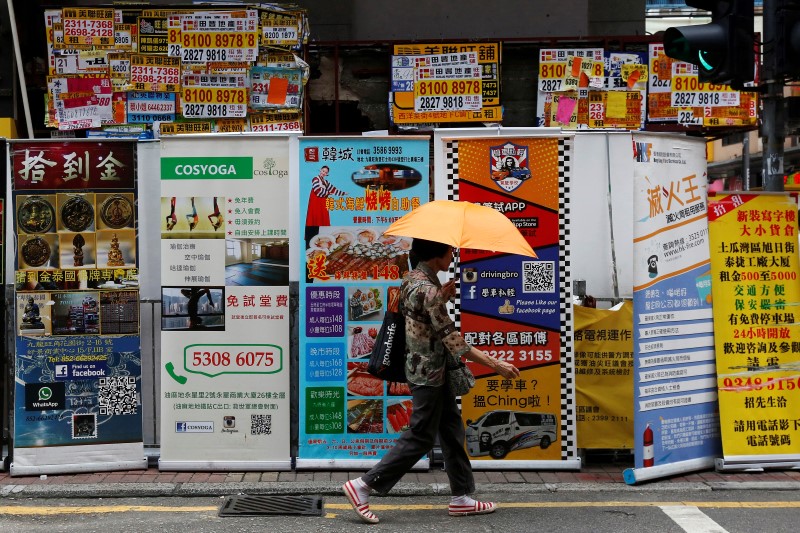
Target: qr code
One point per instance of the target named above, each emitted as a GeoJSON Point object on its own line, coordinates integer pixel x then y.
{"type": "Point", "coordinates": [261, 424]}
{"type": "Point", "coordinates": [118, 396]}
{"type": "Point", "coordinates": [538, 276]}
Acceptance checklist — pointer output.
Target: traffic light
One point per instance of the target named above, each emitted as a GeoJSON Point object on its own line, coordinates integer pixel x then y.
{"type": "Point", "coordinates": [723, 49]}
{"type": "Point", "coordinates": [787, 36]}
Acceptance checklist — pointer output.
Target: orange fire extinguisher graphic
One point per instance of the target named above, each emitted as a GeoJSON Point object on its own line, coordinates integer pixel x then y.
{"type": "Point", "coordinates": [648, 450]}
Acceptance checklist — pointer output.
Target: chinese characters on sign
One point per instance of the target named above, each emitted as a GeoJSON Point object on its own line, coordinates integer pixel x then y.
{"type": "Point", "coordinates": [755, 286]}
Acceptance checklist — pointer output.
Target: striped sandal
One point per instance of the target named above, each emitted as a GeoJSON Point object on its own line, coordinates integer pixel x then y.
{"type": "Point", "coordinates": [475, 508]}
{"type": "Point", "coordinates": [362, 509]}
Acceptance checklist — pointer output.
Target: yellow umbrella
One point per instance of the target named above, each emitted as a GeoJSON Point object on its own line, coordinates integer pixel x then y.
{"type": "Point", "coordinates": [462, 225]}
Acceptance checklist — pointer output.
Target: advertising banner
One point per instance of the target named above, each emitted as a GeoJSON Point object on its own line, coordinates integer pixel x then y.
{"type": "Point", "coordinates": [604, 376]}
{"type": "Point", "coordinates": [225, 304]}
{"type": "Point", "coordinates": [517, 308]}
{"type": "Point", "coordinates": [76, 313]}
{"type": "Point", "coordinates": [351, 189]}
{"type": "Point", "coordinates": [754, 264]}
{"type": "Point", "coordinates": [456, 82]}
{"type": "Point", "coordinates": [676, 419]}
{"type": "Point", "coordinates": [675, 94]}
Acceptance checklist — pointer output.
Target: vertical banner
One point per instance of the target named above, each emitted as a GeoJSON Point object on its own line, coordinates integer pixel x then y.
{"type": "Point", "coordinates": [351, 189]}
{"type": "Point", "coordinates": [676, 420]}
{"type": "Point", "coordinates": [604, 376]}
{"type": "Point", "coordinates": [517, 308]}
{"type": "Point", "coordinates": [755, 269]}
{"type": "Point", "coordinates": [225, 304]}
{"type": "Point", "coordinates": [76, 315]}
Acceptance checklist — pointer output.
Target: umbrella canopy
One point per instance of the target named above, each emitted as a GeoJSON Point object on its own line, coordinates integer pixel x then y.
{"type": "Point", "coordinates": [462, 225]}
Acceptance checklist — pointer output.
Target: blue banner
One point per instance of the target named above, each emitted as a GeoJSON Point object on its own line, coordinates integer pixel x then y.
{"type": "Point", "coordinates": [351, 189]}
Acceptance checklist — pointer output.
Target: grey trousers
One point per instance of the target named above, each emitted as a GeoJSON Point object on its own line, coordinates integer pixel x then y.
{"type": "Point", "coordinates": [435, 412]}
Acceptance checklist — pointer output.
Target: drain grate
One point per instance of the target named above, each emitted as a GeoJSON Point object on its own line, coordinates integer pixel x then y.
{"type": "Point", "coordinates": [245, 505]}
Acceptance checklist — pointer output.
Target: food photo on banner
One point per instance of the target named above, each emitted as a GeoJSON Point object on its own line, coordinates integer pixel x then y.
{"type": "Point", "coordinates": [516, 307]}
{"type": "Point", "coordinates": [76, 321]}
{"type": "Point", "coordinates": [351, 190]}
{"type": "Point", "coordinates": [224, 210]}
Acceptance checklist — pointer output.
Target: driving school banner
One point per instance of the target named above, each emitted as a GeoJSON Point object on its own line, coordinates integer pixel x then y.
{"type": "Point", "coordinates": [77, 396]}
{"type": "Point", "coordinates": [756, 291]}
{"type": "Point", "coordinates": [676, 420]}
{"type": "Point", "coordinates": [351, 190]}
{"type": "Point", "coordinates": [517, 308]}
{"type": "Point", "coordinates": [225, 304]}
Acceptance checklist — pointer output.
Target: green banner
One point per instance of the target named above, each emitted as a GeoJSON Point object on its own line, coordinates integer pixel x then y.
{"type": "Point", "coordinates": [206, 168]}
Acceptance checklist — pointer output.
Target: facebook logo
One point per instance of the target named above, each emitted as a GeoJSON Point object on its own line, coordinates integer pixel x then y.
{"type": "Point", "coordinates": [471, 293]}
{"type": "Point", "coordinates": [180, 427]}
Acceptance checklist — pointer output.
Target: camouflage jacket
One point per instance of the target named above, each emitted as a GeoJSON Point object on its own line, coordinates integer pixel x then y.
{"type": "Point", "coordinates": [430, 333]}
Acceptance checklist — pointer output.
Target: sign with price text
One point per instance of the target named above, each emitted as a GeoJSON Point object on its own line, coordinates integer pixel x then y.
{"type": "Point", "coordinates": [352, 189]}
{"type": "Point", "coordinates": [754, 263]}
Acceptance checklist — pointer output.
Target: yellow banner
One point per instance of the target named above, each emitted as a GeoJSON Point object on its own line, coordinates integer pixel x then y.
{"type": "Point", "coordinates": [756, 292]}
{"type": "Point", "coordinates": [403, 101]}
{"type": "Point", "coordinates": [604, 377]}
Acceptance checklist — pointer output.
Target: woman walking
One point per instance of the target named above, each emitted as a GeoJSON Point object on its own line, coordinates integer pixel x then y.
{"type": "Point", "coordinates": [431, 339]}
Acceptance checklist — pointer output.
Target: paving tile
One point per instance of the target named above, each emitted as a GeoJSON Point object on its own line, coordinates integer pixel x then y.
{"type": "Point", "coordinates": [199, 477]}
{"type": "Point", "coordinates": [514, 477]}
{"type": "Point", "coordinates": [252, 477]}
{"type": "Point", "coordinates": [270, 476]}
{"type": "Point", "coordinates": [322, 476]}
{"type": "Point", "coordinates": [183, 477]}
{"type": "Point", "coordinates": [531, 477]}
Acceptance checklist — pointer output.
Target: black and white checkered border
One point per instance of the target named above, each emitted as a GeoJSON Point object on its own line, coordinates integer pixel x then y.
{"type": "Point", "coordinates": [451, 178]}
{"type": "Point", "coordinates": [568, 433]}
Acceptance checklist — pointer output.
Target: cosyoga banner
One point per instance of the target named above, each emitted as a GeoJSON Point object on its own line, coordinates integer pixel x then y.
{"type": "Point", "coordinates": [517, 308]}
{"type": "Point", "coordinates": [676, 418]}
{"type": "Point", "coordinates": [351, 190]}
{"type": "Point", "coordinates": [77, 396]}
{"type": "Point", "coordinates": [756, 292]}
{"type": "Point", "coordinates": [604, 376]}
{"type": "Point", "coordinates": [225, 304]}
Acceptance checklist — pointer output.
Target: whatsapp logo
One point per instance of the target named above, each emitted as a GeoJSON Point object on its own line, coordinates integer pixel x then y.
{"type": "Point", "coordinates": [45, 393]}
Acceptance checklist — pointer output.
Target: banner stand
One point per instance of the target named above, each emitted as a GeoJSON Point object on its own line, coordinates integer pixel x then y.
{"type": "Point", "coordinates": [632, 476]}
{"type": "Point", "coordinates": [757, 463]}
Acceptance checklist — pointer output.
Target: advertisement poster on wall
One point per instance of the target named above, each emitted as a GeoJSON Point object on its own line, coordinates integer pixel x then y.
{"type": "Point", "coordinates": [351, 190]}
{"type": "Point", "coordinates": [676, 418]}
{"type": "Point", "coordinates": [604, 376]}
{"type": "Point", "coordinates": [76, 312]}
{"type": "Point", "coordinates": [518, 308]}
{"type": "Point", "coordinates": [225, 303]}
{"type": "Point", "coordinates": [755, 268]}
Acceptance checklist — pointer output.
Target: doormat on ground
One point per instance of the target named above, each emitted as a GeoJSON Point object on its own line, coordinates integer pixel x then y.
{"type": "Point", "coordinates": [245, 505]}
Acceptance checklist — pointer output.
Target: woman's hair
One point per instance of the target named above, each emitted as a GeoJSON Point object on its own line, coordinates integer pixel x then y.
{"type": "Point", "coordinates": [422, 250]}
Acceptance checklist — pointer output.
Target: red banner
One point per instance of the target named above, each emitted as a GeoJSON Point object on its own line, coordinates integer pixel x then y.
{"type": "Point", "coordinates": [73, 165]}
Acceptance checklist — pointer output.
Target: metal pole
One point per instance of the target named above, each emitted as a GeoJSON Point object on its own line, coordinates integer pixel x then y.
{"type": "Point", "coordinates": [23, 86]}
{"type": "Point", "coordinates": [773, 126]}
{"type": "Point", "coordinates": [746, 161]}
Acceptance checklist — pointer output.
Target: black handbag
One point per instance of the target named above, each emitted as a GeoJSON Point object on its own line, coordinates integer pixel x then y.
{"type": "Point", "coordinates": [388, 358]}
{"type": "Point", "coordinates": [460, 378]}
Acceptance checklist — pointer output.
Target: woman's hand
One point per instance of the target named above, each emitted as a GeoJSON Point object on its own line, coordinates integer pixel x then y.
{"type": "Point", "coordinates": [506, 369]}
{"type": "Point", "coordinates": [448, 290]}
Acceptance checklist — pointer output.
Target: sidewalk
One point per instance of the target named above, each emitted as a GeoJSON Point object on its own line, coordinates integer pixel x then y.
{"type": "Point", "coordinates": [151, 482]}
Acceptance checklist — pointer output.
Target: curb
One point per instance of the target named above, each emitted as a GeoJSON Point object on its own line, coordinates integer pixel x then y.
{"type": "Point", "coordinates": [193, 490]}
